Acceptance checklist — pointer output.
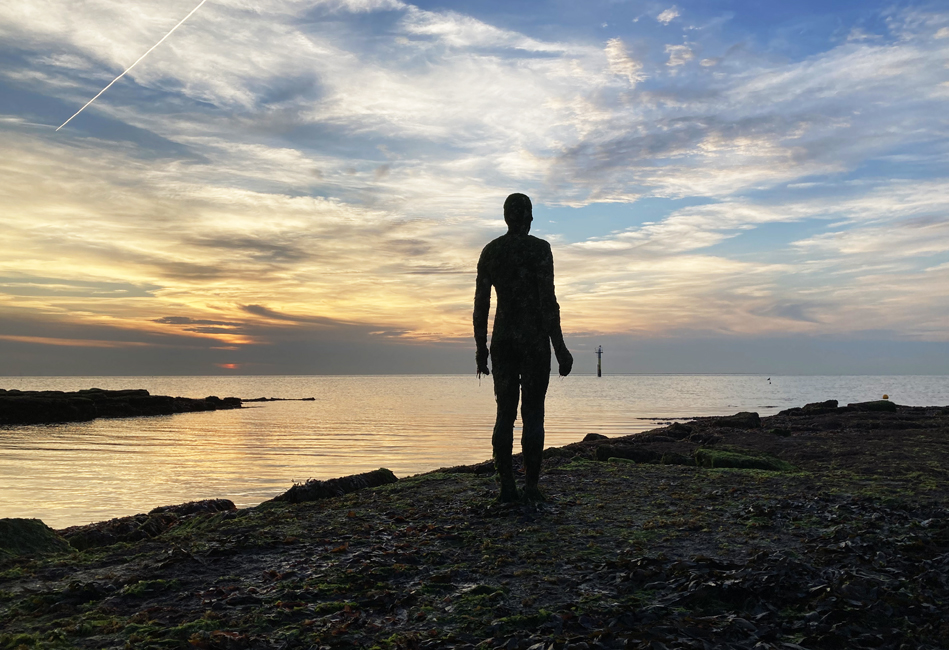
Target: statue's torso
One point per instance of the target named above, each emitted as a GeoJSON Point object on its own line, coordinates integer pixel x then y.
{"type": "Point", "coordinates": [518, 266]}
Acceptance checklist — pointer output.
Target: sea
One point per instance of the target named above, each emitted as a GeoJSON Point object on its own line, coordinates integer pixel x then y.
{"type": "Point", "coordinates": [77, 473]}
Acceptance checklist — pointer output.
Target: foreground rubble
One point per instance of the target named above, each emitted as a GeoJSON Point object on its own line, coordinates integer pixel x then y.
{"type": "Point", "coordinates": [821, 527]}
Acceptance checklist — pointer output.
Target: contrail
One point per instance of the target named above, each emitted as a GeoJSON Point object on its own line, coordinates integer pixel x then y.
{"type": "Point", "coordinates": [134, 64]}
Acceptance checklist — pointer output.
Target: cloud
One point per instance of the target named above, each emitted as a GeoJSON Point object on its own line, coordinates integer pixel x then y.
{"type": "Point", "coordinates": [668, 15]}
{"type": "Point", "coordinates": [29, 285]}
{"type": "Point", "coordinates": [70, 342]}
{"type": "Point", "coordinates": [912, 230]}
{"type": "Point", "coordinates": [265, 312]}
{"type": "Point", "coordinates": [621, 63]}
{"type": "Point", "coordinates": [459, 31]}
{"type": "Point", "coordinates": [858, 34]}
{"type": "Point", "coordinates": [291, 168]}
{"type": "Point", "coordinates": [679, 55]}
{"type": "Point", "coordinates": [185, 320]}
{"type": "Point", "coordinates": [673, 273]}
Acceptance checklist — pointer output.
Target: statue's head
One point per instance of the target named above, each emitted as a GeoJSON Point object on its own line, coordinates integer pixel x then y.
{"type": "Point", "coordinates": [518, 213]}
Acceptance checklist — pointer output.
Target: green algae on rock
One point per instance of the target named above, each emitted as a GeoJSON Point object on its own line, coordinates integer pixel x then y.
{"type": "Point", "coordinates": [736, 459]}
{"type": "Point", "coordinates": [29, 537]}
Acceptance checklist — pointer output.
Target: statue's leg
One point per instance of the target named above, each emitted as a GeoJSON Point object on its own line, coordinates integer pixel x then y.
{"type": "Point", "coordinates": [504, 371]}
{"type": "Point", "coordinates": [534, 382]}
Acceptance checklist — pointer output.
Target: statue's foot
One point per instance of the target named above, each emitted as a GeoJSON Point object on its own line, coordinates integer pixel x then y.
{"type": "Point", "coordinates": [532, 494]}
{"type": "Point", "coordinates": [508, 494]}
{"type": "Point", "coordinates": [508, 487]}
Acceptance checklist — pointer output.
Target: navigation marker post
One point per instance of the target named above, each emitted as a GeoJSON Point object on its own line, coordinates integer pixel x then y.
{"type": "Point", "coordinates": [599, 361]}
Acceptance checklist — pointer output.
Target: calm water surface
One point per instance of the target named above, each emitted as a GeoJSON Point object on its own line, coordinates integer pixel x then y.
{"type": "Point", "coordinates": [70, 474]}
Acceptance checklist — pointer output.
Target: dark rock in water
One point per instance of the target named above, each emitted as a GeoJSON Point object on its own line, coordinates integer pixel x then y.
{"type": "Point", "coordinates": [314, 490]}
{"type": "Point", "coordinates": [33, 410]}
{"type": "Point", "coordinates": [142, 526]}
{"type": "Point", "coordinates": [279, 399]}
{"type": "Point", "coordinates": [594, 436]}
{"type": "Point", "coordinates": [882, 405]}
{"type": "Point", "coordinates": [743, 420]}
{"type": "Point", "coordinates": [29, 537]}
{"type": "Point", "coordinates": [44, 407]}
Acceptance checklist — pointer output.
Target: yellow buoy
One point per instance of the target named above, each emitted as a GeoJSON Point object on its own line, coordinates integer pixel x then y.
{"type": "Point", "coordinates": [886, 397]}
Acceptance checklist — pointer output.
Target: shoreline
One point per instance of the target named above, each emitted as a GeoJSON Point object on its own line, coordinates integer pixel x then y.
{"type": "Point", "coordinates": [817, 526]}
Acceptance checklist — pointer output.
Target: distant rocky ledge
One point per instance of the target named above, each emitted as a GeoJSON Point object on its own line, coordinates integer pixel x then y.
{"type": "Point", "coordinates": [49, 406]}
{"type": "Point", "coordinates": [280, 399]}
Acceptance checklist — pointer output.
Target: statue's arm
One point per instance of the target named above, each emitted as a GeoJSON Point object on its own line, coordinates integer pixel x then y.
{"type": "Point", "coordinates": [482, 305]}
{"type": "Point", "coordinates": [551, 312]}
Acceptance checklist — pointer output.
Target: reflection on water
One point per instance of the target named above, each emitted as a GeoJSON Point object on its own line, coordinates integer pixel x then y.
{"type": "Point", "coordinates": [76, 473]}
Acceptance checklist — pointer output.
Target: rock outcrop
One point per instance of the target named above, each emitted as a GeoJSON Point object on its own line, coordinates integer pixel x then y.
{"type": "Point", "coordinates": [45, 407]}
{"type": "Point", "coordinates": [29, 537]}
{"type": "Point", "coordinates": [137, 527]}
{"type": "Point", "coordinates": [314, 490]}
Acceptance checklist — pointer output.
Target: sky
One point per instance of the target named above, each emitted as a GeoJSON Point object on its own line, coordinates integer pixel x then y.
{"type": "Point", "coordinates": [304, 186]}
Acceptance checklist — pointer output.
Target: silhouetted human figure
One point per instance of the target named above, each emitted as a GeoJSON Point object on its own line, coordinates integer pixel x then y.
{"type": "Point", "coordinates": [526, 323]}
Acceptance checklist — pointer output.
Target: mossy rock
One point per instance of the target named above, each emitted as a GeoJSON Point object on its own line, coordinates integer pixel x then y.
{"type": "Point", "coordinates": [673, 458]}
{"type": "Point", "coordinates": [29, 537]}
{"type": "Point", "coordinates": [719, 458]}
{"type": "Point", "coordinates": [636, 453]}
{"type": "Point", "coordinates": [314, 490]}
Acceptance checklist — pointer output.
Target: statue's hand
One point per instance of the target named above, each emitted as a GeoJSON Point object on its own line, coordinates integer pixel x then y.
{"type": "Point", "coordinates": [565, 359]}
{"type": "Point", "coordinates": [481, 356]}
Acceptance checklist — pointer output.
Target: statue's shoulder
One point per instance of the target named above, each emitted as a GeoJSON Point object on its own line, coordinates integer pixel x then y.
{"type": "Point", "coordinates": [515, 244]}
{"type": "Point", "coordinates": [493, 245]}
{"type": "Point", "coordinates": [491, 251]}
{"type": "Point", "coordinates": [537, 241]}
{"type": "Point", "coordinates": [542, 246]}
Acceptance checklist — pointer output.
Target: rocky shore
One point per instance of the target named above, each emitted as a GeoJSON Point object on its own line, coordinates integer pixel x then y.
{"type": "Point", "coordinates": [825, 526]}
{"type": "Point", "coordinates": [47, 407]}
